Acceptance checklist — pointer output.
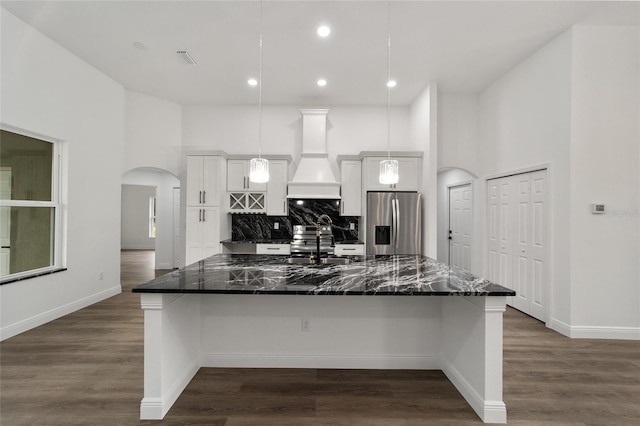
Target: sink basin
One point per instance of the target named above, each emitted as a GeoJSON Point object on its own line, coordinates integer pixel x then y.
{"type": "Point", "coordinates": [323, 260]}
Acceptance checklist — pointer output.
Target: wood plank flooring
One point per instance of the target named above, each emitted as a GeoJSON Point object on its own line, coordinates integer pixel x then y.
{"type": "Point", "coordinates": [87, 369]}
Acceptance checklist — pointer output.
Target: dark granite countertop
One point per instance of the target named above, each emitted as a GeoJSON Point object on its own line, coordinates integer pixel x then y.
{"type": "Point", "coordinates": [349, 242]}
{"type": "Point", "coordinates": [400, 275]}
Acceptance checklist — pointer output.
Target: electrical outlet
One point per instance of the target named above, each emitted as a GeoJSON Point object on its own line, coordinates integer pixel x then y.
{"type": "Point", "coordinates": [306, 324]}
{"type": "Point", "coordinates": [276, 225]}
{"type": "Point", "coordinates": [352, 226]}
{"type": "Point", "coordinates": [100, 275]}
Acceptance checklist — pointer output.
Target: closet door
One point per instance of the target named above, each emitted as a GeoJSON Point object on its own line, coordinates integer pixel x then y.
{"type": "Point", "coordinates": [522, 227]}
{"type": "Point", "coordinates": [517, 213]}
{"type": "Point", "coordinates": [538, 247]}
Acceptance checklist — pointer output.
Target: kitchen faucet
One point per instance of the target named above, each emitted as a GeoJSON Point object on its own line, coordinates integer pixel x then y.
{"type": "Point", "coordinates": [324, 218]}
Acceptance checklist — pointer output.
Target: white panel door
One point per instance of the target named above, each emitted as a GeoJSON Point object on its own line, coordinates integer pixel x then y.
{"type": "Point", "coordinates": [493, 214]}
{"type": "Point", "coordinates": [505, 231]}
{"type": "Point", "coordinates": [521, 226]}
{"type": "Point", "coordinates": [460, 225]}
{"type": "Point", "coordinates": [538, 247]}
{"type": "Point", "coordinates": [517, 243]}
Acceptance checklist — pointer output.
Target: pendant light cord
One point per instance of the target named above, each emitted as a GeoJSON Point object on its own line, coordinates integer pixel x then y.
{"type": "Point", "coordinates": [260, 89]}
{"type": "Point", "coordinates": [388, 79]}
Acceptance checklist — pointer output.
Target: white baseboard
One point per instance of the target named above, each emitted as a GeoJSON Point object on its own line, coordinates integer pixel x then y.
{"type": "Point", "coordinates": [595, 332]}
{"type": "Point", "coordinates": [155, 408]}
{"type": "Point", "coordinates": [489, 411]}
{"type": "Point", "coordinates": [164, 265]}
{"type": "Point", "coordinates": [373, 362]}
{"type": "Point", "coordinates": [45, 317]}
{"type": "Point", "coordinates": [560, 327]}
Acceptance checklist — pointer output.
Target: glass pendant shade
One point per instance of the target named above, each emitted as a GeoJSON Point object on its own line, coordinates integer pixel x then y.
{"type": "Point", "coordinates": [388, 172]}
{"type": "Point", "coordinates": [259, 170]}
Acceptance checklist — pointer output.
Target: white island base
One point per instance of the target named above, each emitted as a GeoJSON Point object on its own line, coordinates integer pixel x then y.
{"type": "Point", "coordinates": [460, 335]}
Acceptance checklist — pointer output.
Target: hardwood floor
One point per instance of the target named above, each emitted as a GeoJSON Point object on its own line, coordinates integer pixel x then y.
{"type": "Point", "coordinates": [87, 369]}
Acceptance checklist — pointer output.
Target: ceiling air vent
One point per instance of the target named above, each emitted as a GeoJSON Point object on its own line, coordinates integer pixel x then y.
{"type": "Point", "coordinates": [186, 57]}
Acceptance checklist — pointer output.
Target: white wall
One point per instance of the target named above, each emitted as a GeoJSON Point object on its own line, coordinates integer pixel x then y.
{"type": "Point", "coordinates": [458, 131]}
{"type": "Point", "coordinates": [605, 145]}
{"type": "Point", "coordinates": [524, 121]}
{"type": "Point", "coordinates": [571, 106]}
{"type": "Point", "coordinates": [47, 90]}
{"type": "Point", "coordinates": [424, 130]}
{"type": "Point", "coordinates": [153, 133]}
{"type": "Point", "coordinates": [163, 182]}
{"type": "Point", "coordinates": [134, 231]}
{"type": "Point", "coordinates": [233, 129]}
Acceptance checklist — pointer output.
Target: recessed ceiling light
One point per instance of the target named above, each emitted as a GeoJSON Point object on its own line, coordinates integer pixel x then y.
{"type": "Point", "coordinates": [322, 82]}
{"type": "Point", "coordinates": [252, 82]}
{"type": "Point", "coordinates": [323, 31]}
{"type": "Point", "coordinates": [391, 83]}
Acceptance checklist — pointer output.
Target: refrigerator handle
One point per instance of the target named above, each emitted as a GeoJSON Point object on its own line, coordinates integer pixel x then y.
{"type": "Point", "coordinates": [397, 221]}
{"type": "Point", "coordinates": [394, 224]}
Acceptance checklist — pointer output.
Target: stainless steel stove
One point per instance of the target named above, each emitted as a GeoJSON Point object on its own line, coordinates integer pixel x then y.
{"type": "Point", "coordinates": [304, 240]}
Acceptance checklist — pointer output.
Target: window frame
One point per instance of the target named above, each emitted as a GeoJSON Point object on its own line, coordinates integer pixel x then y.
{"type": "Point", "coordinates": [59, 233]}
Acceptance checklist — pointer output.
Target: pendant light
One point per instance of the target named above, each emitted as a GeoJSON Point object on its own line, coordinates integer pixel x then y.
{"type": "Point", "coordinates": [389, 167]}
{"type": "Point", "coordinates": [259, 167]}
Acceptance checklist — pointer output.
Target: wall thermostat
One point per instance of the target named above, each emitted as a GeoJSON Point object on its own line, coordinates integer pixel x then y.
{"type": "Point", "coordinates": [597, 208]}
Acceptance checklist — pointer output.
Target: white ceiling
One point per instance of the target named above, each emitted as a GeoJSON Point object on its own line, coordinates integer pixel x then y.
{"type": "Point", "coordinates": [463, 45]}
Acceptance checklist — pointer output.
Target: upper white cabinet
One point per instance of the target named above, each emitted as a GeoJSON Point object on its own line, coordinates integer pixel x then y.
{"type": "Point", "coordinates": [409, 170]}
{"type": "Point", "coordinates": [277, 188]}
{"type": "Point", "coordinates": [203, 180]}
{"type": "Point", "coordinates": [238, 177]}
{"type": "Point", "coordinates": [351, 187]}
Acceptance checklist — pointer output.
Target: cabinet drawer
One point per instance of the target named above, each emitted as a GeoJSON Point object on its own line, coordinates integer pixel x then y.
{"type": "Point", "coordinates": [273, 249]}
{"type": "Point", "coordinates": [349, 250]}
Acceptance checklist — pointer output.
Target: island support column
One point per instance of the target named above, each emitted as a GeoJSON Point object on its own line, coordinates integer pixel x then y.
{"type": "Point", "coordinates": [472, 352]}
{"type": "Point", "coordinates": [172, 349]}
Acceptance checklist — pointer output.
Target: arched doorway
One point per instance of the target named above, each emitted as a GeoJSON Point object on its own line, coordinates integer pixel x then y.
{"type": "Point", "coordinates": [455, 217]}
{"type": "Point", "coordinates": [150, 212]}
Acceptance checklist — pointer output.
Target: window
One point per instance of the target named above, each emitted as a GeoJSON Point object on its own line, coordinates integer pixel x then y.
{"type": "Point", "coordinates": [152, 217]}
{"type": "Point", "coordinates": [29, 206]}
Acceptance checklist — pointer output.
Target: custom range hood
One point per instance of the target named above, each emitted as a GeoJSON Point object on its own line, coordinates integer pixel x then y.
{"type": "Point", "coordinates": [314, 176]}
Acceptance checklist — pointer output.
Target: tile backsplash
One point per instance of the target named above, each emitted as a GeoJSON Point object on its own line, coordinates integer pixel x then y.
{"type": "Point", "coordinates": [301, 212]}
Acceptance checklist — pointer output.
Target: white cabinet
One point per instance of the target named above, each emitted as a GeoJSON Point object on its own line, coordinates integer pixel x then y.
{"type": "Point", "coordinates": [277, 188]}
{"type": "Point", "coordinates": [351, 187]}
{"type": "Point", "coordinates": [203, 180]}
{"type": "Point", "coordinates": [238, 177]}
{"type": "Point", "coordinates": [409, 174]}
{"type": "Point", "coordinates": [203, 233]}
{"type": "Point", "coordinates": [273, 249]}
{"type": "Point", "coordinates": [349, 250]}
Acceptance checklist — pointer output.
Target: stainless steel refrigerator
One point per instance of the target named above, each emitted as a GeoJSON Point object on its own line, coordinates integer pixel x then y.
{"type": "Point", "coordinates": [394, 223]}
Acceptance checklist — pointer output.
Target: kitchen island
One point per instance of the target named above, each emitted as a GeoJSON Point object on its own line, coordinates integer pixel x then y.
{"type": "Point", "coordinates": [263, 311]}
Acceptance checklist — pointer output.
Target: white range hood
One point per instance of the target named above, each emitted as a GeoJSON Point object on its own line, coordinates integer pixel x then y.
{"type": "Point", "coordinates": [314, 176]}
